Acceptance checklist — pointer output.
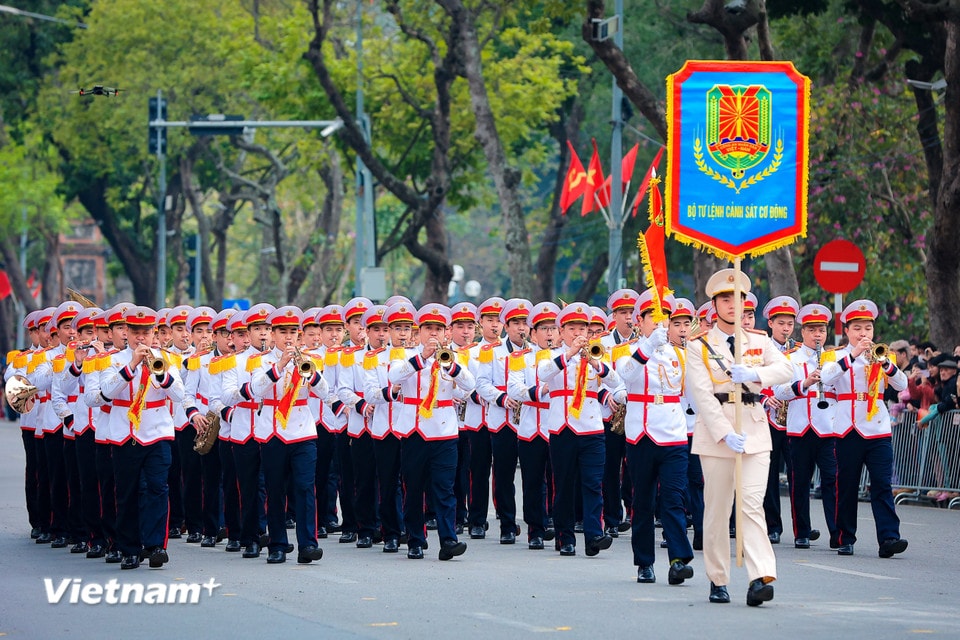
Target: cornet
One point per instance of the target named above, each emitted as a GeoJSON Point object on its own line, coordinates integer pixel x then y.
{"type": "Point", "coordinates": [595, 351]}
{"type": "Point", "coordinates": [157, 365]}
{"type": "Point", "coordinates": [446, 356]}
{"type": "Point", "coordinates": [304, 364]}
{"type": "Point", "coordinates": [879, 352]}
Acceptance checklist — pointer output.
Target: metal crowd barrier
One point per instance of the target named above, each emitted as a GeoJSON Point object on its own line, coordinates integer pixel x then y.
{"type": "Point", "coordinates": [926, 462]}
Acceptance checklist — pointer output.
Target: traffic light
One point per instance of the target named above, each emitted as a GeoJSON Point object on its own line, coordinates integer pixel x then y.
{"type": "Point", "coordinates": [158, 135]}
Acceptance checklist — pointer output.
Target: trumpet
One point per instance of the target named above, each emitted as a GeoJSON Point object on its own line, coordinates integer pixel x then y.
{"type": "Point", "coordinates": [879, 352]}
{"type": "Point", "coordinates": [157, 365]}
{"type": "Point", "coordinates": [594, 351]}
{"type": "Point", "coordinates": [446, 356]}
{"type": "Point", "coordinates": [304, 364]}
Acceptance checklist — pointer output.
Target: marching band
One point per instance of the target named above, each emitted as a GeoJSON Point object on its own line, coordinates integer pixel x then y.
{"type": "Point", "coordinates": [139, 425]}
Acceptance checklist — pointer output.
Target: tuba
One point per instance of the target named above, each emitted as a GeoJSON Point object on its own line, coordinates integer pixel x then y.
{"type": "Point", "coordinates": [20, 393]}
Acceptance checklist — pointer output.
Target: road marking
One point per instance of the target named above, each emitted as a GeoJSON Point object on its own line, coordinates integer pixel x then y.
{"type": "Point", "coordinates": [384, 624]}
{"type": "Point", "coordinates": [516, 624]}
{"type": "Point", "coordinates": [849, 572]}
{"type": "Point", "coordinates": [922, 631]}
{"type": "Point", "coordinates": [227, 594]}
{"type": "Point", "coordinates": [368, 599]}
{"type": "Point", "coordinates": [846, 267]}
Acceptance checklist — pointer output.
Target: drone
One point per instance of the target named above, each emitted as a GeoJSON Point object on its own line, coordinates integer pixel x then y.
{"type": "Point", "coordinates": [97, 90]}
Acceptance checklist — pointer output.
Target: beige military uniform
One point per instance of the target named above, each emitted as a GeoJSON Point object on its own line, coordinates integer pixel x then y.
{"type": "Point", "coordinates": [706, 377]}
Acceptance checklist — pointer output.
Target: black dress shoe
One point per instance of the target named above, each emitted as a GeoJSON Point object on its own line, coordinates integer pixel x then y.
{"type": "Point", "coordinates": [288, 548]}
{"type": "Point", "coordinates": [774, 537]}
{"type": "Point", "coordinates": [624, 525]}
{"type": "Point", "coordinates": [698, 541]}
{"type": "Point", "coordinates": [290, 523]}
{"type": "Point", "coordinates": [79, 547]}
{"type": "Point", "coordinates": [613, 532]}
{"type": "Point", "coordinates": [347, 537]}
{"type": "Point", "coordinates": [332, 527]}
{"type": "Point", "coordinates": [34, 533]}
{"type": "Point", "coordinates": [508, 537]}
{"type": "Point", "coordinates": [194, 537]}
{"type": "Point", "coordinates": [364, 542]}
{"type": "Point", "coordinates": [58, 543]}
{"type": "Point", "coordinates": [645, 575]}
{"type": "Point", "coordinates": [845, 550]}
{"type": "Point", "coordinates": [221, 534]}
{"type": "Point", "coordinates": [96, 551]}
{"type": "Point", "coordinates": [208, 541]}
{"type": "Point", "coordinates": [893, 546]}
{"type": "Point", "coordinates": [568, 550]}
{"type": "Point", "coordinates": [44, 538]}
{"type": "Point", "coordinates": [802, 543]}
{"type": "Point", "coordinates": [233, 546]}
{"type": "Point", "coordinates": [308, 554]}
{"type": "Point", "coordinates": [174, 533]}
{"type": "Point", "coordinates": [452, 548]}
{"type": "Point", "coordinates": [415, 553]}
{"type": "Point", "coordinates": [252, 550]}
{"type": "Point", "coordinates": [814, 534]}
{"type": "Point", "coordinates": [431, 524]}
{"type": "Point", "coordinates": [277, 557]}
{"type": "Point", "coordinates": [458, 529]}
{"type": "Point", "coordinates": [758, 593]}
{"type": "Point", "coordinates": [130, 562]}
{"type": "Point", "coordinates": [113, 557]}
{"type": "Point", "coordinates": [679, 572]}
{"type": "Point", "coordinates": [536, 543]}
{"type": "Point", "coordinates": [477, 533]}
{"type": "Point", "coordinates": [719, 594]}
{"type": "Point", "coordinates": [390, 545]}
{"type": "Point", "coordinates": [578, 526]}
{"type": "Point", "coordinates": [321, 533]}
{"type": "Point", "coordinates": [158, 558]}
{"type": "Point", "coordinates": [596, 545]}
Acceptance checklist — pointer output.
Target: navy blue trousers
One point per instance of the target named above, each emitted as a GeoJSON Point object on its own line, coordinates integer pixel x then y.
{"type": "Point", "coordinates": [428, 465]}
{"type": "Point", "coordinates": [807, 451]}
{"type": "Point", "coordinates": [479, 495]}
{"type": "Point", "coordinates": [363, 493]}
{"type": "Point", "coordinates": [387, 454]}
{"type": "Point", "coordinates": [653, 466]}
{"type": "Point", "coordinates": [779, 455]}
{"type": "Point", "coordinates": [533, 469]}
{"type": "Point", "coordinates": [503, 445]}
{"type": "Point", "coordinates": [569, 454]}
{"type": "Point", "coordinates": [108, 492]}
{"type": "Point", "coordinates": [231, 490]}
{"type": "Point", "coordinates": [142, 495]}
{"type": "Point", "coordinates": [297, 462]}
{"type": "Point", "coordinates": [246, 459]}
{"type": "Point", "coordinates": [86, 449]}
{"type": "Point", "coordinates": [615, 444]}
{"type": "Point", "coordinates": [31, 480]}
{"type": "Point", "coordinates": [853, 452]}
{"type": "Point", "coordinates": [694, 496]}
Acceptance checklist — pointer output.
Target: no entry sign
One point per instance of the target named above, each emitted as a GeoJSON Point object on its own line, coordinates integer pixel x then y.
{"type": "Point", "coordinates": [839, 266]}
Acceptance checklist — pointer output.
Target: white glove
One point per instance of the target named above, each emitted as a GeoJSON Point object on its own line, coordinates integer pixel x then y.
{"type": "Point", "coordinates": [735, 441]}
{"type": "Point", "coordinates": [742, 373]}
{"type": "Point", "coordinates": [656, 339]}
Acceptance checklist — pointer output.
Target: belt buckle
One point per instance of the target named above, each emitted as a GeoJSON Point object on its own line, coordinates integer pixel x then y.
{"type": "Point", "coordinates": [658, 398]}
{"type": "Point", "coordinates": [861, 397]}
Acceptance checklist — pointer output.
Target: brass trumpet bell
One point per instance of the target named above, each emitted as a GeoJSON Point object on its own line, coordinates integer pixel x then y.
{"type": "Point", "coordinates": [879, 352]}
{"type": "Point", "coordinates": [445, 357]}
{"type": "Point", "coordinates": [304, 364]}
{"type": "Point", "coordinates": [20, 394]}
{"type": "Point", "coordinates": [157, 364]}
{"type": "Point", "coordinates": [595, 351]}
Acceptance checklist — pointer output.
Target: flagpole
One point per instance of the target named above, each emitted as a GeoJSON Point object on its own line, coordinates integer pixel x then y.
{"type": "Point", "coordinates": [615, 247]}
{"type": "Point", "coordinates": [738, 407]}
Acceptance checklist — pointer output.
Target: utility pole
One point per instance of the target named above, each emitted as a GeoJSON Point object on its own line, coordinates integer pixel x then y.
{"type": "Point", "coordinates": [22, 304]}
{"type": "Point", "coordinates": [615, 247]}
{"type": "Point", "coordinates": [366, 245]}
{"type": "Point", "coordinates": [158, 143]}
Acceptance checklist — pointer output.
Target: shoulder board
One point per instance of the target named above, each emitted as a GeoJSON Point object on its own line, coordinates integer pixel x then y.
{"type": "Point", "coordinates": [620, 351]}
{"type": "Point", "coordinates": [332, 357]}
{"type": "Point", "coordinates": [602, 334]}
{"type": "Point", "coordinates": [758, 332]}
{"type": "Point", "coordinates": [373, 353]}
{"type": "Point", "coordinates": [193, 363]}
{"type": "Point", "coordinates": [831, 348]}
{"type": "Point", "coordinates": [698, 335]}
{"type": "Point", "coordinates": [12, 355]}
{"type": "Point", "coordinates": [544, 354]}
{"type": "Point", "coordinates": [517, 360]}
{"type": "Point", "coordinates": [398, 353]}
{"type": "Point", "coordinates": [348, 357]}
{"type": "Point", "coordinates": [789, 351]}
{"type": "Point", "coordinates": [22, 359]}
{"type": "Point", "coordinates": [467, 347]}
{"type": "Point", "coordinates": [253, 363]}
{"type": "Point", "coordinates": [222, 363]}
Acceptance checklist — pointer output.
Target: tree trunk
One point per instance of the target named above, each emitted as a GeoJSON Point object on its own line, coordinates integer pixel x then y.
{"type": "Point", "coordinates": [943, 259]}
{"type": "Point", "coordinates": [781, 274]}
{"type": "Point", "coordinates": [433, 253]}
{"type": "Point", "coordinates": [505, 178]}
{"type": "Point", "coordinates": [18, 279]}
{"type": "Point", "coordinates": [704, 266]}
{"type": "Point", "coordinates": [51, 274]}
{"type": "Point", "coordinates": [316, 266]}
{"type": "Point", "coordinates": [589, 285]}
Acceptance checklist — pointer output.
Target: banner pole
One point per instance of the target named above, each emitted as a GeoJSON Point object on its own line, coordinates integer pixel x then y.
{"type": "Point", "coordinates": [738, 407]}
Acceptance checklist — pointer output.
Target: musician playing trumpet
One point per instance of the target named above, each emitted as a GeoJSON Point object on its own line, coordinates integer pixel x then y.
{"type": "Point", "coordinates": [811, 405]}
{"type": "Point", "coordinates": [862, 426]}
{"type": "Point", "coordinates": [656, 433]}
{"type": "Point", "coordinates": [492, 378]}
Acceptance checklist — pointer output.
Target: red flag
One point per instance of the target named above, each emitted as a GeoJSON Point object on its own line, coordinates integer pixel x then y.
{"type": "Point", "coordinates": [651, 244]}
{"type": "Point", "coordinates": [646, 180]}
{"type": "Point", "coordinates": [575, 182]}
{"type": "Point", "coordinates": [594, 180]}
{"type": "Point", "coordinates": [626, 165]}
{"type": "Point", "coordinates": [5, 288]}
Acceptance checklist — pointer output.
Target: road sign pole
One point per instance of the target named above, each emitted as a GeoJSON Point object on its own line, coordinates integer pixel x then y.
{"type": "Point", "coordinates": [837, 310]}
{"type": "Point", "coordinates": [161, 212]}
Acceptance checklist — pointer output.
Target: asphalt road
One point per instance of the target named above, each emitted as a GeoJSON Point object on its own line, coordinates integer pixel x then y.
{"type": "Point", "coordinates": [492, 591]}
